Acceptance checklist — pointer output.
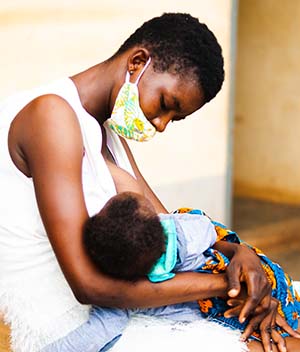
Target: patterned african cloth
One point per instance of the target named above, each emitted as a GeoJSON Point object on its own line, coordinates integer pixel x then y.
{"type": "Point", "coordinates": [281, 283]}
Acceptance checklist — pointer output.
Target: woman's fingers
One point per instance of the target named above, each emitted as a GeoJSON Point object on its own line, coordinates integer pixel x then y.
{"type": "Point", "coordinates": [233, 273]}
{"type": "Point", "coordinates": [270, 333]}
{"type": "Point", "coordinates": [281, 322]}
{"type": "Point", "coordinates": [268, 326]}
{"type": "Point", "coordinates": [237, 304]}
{"type": "Point", "coordinates": [254, 301]}
{"type": "Point", "coordinates": [245, 267]}
{"type": "Point", "coordinates": [266, 330]}
{"type": "Point", "coordinates": [278, 340]}
{"type": "Point", "coordinates": [252, 326]}
{"type": "Point", "coordinates": [262, 322]}
{"type": "Point", "coordinates": [276, 337]}
{"type": "Point", "coordinates": [233, 312]}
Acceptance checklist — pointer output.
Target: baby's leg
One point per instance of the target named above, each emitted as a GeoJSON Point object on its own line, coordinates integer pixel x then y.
{"type": "Point", "coordinates": [178, 312]}
{"type": "Point", "coordinates": [101, 331]}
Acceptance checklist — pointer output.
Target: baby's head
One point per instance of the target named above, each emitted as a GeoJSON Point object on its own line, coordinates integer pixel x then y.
{"type": "Point", "coordinates": [125, 238]}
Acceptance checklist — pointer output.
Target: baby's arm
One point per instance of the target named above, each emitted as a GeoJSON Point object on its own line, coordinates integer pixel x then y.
{"type": "Point", "coordinates": [123, 180]}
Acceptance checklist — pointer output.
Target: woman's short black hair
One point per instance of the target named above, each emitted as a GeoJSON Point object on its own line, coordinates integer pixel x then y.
{"type": "Point", "coordinates": [179, 42]}
{"type": "Point", "coordinates": [124, 242]}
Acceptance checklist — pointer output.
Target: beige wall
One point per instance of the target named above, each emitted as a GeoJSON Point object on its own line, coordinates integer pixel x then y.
{"type": "Point", "coordinates": [267, 123]}
{"type": "Point", "coordinates": [43, 40]}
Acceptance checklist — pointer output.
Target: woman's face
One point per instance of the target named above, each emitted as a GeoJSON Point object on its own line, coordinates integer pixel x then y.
{"type": "Point", "coordinates": [166, 97]}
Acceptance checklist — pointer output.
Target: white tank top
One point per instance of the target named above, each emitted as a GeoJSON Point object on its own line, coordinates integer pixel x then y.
{"type": "Point", "coordinates": [35, 298]}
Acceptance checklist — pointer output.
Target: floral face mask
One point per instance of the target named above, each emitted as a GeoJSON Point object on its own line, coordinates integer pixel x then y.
{"type": "Point", "coordinates": [127, 118]}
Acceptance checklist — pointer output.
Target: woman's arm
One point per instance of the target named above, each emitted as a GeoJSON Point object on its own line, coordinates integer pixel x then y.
{"type": "Point", "coordinates": [244, 265]}
{"type": "Point", "coordinates": [46, 144]}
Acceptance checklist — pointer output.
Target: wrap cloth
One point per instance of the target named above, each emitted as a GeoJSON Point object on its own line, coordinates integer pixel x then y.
{"type": "Point", "coordinates": [281, 283]}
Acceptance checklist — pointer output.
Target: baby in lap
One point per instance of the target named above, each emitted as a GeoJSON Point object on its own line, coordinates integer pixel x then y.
{"type": "Point", "coordinates": [128, 240]}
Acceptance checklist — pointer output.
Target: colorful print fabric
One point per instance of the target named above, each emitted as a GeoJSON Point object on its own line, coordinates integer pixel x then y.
{"type": "Point", "coordinates": [281, 283]}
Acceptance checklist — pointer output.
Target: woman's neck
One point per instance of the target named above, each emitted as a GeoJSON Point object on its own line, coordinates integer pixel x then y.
{"type": "Point", "coordinates": [97, 87]}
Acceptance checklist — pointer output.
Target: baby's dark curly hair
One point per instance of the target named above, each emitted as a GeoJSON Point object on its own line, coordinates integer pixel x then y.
{"type": "Point", "coordinates": [179, 42]}
{"type": "Point", "coordinates": [125, 239]}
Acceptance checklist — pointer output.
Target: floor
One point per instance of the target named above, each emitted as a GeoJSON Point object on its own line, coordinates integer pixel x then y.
{"type": "Point", "coordinates": [274, 228]}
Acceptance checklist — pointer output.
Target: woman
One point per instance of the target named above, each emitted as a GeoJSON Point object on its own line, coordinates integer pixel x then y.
{"type": "Point", "coordinates": [53, 176]}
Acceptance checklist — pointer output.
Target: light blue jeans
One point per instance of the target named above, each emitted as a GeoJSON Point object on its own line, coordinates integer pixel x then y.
{"type": "Point", "coordinates": [105, 326]}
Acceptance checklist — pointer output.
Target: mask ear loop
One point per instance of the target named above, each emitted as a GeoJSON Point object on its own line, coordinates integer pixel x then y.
{"type": "Point", "coordinates": [143, 70]}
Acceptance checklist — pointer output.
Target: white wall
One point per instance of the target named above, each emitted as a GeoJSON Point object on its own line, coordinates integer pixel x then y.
{"type": "Point", "coordinates": [41, 40]}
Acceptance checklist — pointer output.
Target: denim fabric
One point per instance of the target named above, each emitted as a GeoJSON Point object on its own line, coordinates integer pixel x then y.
{"type": "Point", "coordinates": [105, 326]}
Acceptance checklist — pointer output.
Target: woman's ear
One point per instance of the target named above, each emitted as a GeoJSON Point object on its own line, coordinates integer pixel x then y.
{"type": "Point", "coordinates": [137, 60]}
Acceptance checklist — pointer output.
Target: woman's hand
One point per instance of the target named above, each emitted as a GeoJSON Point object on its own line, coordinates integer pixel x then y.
{"type": "Point", "coordinates": [267, 323]}
{"type": "Point", "coordinates": [245, 267]}
{"type": "Point", "coordinates": [268, 326]}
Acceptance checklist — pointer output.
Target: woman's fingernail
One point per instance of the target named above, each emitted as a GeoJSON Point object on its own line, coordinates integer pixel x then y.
{"type": "Point", "coordinates": [233, 292]}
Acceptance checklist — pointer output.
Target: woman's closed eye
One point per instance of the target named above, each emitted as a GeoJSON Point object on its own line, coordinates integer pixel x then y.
{"type": "Point", "coordinates": [165, 108]}
{"type": "Point", "coordinates": [163, 103]}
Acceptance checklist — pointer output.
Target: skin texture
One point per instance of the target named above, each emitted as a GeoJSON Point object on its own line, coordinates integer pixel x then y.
{"type": "Point", "coordinates": [124, 182]}
{"type": "Point", "coordinates": [45, 143]}
{"type": "Point", "coordinates": [289, 344]}
{"type": "Point", "coordinates": [266, 326]}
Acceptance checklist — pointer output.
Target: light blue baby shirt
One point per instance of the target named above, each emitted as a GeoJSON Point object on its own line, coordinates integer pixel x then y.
{"type": "Point", "coordinates": [187, 237]}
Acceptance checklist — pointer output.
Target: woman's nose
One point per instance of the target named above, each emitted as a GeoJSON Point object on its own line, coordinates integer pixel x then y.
{"type": "Point", "coordinates": [161, 122]}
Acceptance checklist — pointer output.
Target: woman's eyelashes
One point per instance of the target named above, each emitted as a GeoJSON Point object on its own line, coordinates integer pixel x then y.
{"type": "Point", "coordinates": [165, 108]}
{"type": "Point", "coordinates": [176, 119]}
{"type": "Point", "coordinates": [162, 103]}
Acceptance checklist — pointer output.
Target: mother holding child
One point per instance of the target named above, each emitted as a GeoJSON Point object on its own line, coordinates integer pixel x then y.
{"type": "Point", "coordinates": [62, 159]}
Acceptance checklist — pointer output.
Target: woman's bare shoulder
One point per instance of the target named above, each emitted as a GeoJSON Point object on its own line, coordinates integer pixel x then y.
{"type": "Point", "coordinates": [46, 106]}
{"type": "Point", "coordinates": [46, 124]}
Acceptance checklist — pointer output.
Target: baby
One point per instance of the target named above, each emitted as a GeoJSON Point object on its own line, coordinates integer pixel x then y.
{"type": "Point", "coordinates": [141, 243]}
{"type": "Point", "coordinates": [126, 237]}
{"type": "Point", "coordinates": [128, 240]}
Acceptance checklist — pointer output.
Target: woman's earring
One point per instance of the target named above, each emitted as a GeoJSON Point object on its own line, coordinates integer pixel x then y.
{"type": "Point", "coordinates": [131, 72]}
